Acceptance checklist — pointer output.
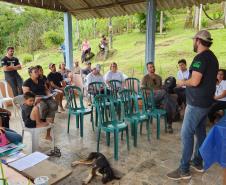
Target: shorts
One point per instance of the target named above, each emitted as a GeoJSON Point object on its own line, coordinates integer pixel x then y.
{"type": "Point", "coordinates": [48, 108]}
{"type": "Point", "coordinates": [30, 124]}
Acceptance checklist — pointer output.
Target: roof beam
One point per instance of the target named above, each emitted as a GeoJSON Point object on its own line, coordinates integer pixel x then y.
{"type": "Point", "coordinates": [89, 6]}
{"type": "Point", "coordinates": [111, 5]}
{"type": "Point", "coordinates": [39, 4]}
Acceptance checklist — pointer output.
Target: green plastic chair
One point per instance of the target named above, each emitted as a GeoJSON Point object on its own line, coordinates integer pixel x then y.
{"type": "Point", "coordinates": [115, 86]}
{"type": "Point", "coordinates": [107, 122]}
{"type": "Point", "coordinates": [154, 112]}
{"type": "Point", "coordinates": [76, 107]}
{"type": "Point", "coordinates": [133, 114]}
{"type": "Point", "coordinates": [96, 88]}
{"type": "Point", "coordinates": [133, 84]}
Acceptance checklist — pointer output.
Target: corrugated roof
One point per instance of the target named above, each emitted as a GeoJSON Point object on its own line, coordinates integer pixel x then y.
{"type": "Point", "coordinates": [84, 9]}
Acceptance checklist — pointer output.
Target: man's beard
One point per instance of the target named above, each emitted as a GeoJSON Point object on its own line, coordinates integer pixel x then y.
{"type": "Point", "coordinates": [195, 48]}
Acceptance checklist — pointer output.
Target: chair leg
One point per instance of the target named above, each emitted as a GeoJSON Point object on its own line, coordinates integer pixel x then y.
{"type": "Point", "coordinates": [81, 124]}
{"type": "Point", "coordinates": [148, 129]}
{"type": "Point", "coordinates": [132, 128]}
{"type": "Point", "coordinates": [35, 140]}
{"type": "Point", "coordinates": [135, 135]}
{"type": "Point", "coordinates": [53, 138]}
{"type": "Point", "coordinates": [77, 121]}
{"type": "Point", "coordinates": [116, 145]}
{"type": "Point", "coordinates": [108, 138]}
{"type": "Point", "coordinates": [141, 125]}
{"type": "Point", "coordinates": [22, 135]}
{"type": "Point", "coordinates": [92, 120]}
{"type": "Point", "coordinates": [165, 119]}
{"type": "Point", "coordinates": [68, 122]}
{"type": "Point", "coordinates": [96, 117]}
{"type": "Point", "coordinates": [98, 139]}
{"type": "Point", "coordinates": [158, 127]}
{"type": "Point", "coordinates": [127, 137]}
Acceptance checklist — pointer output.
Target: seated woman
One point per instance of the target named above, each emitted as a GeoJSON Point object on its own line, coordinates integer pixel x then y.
{"type": "Point", "coordinates": [64, 72]}
{"type": "Point", "coordinates": [220, 96]}
{"type": "Point", "coordinates": [47, 107]}
{"type": "Point", "coordinates": [11, 135]}
{"type": "Point", "coordinates": [114, 74]}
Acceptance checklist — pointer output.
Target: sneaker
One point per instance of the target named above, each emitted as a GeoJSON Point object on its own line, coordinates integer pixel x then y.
{"type": "Point", "coordinates": [178, 175]}
{"type": "Point", "coordinates": [197, 168]}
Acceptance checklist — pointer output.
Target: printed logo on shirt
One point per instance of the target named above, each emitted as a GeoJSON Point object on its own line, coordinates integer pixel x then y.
{"type": "Point", "coordinates": [196, 64]}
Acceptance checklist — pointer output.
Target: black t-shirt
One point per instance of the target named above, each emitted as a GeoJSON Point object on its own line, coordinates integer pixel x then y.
{"type": "Point", "coordinates": [37, 89]}
{"type": "Point", "coordinates": [205, 63]}
{"type": "Point", "coordinates": [56, 78]}
{"type": "Point", "coordinates": [10, 62]}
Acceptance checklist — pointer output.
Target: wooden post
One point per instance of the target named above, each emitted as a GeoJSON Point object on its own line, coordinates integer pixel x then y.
{"type": "Point", "coordinates": [94, 28]}
{"type": "Point", "coordinates": [110, 34]}
{"type": "Point", "coordinates": [224, 6]}
{"type": "Point", "coordinates": [161, 22]}
{"type": "Point", "coordinates": [200, 17]}
{"type": "Point", "coordinates": [78, 34]}
{"type": "Point", "coordinates": [196, 18]}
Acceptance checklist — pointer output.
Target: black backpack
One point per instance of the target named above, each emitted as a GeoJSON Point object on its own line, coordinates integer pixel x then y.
{"type": "Point", "coordinates": [170, 84]}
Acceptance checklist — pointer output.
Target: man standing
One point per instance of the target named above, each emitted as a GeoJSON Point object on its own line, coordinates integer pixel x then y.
{"type": "Point", "coordinates": [10, 66]}
{"type": "Point", "coordinates": [200, 89]}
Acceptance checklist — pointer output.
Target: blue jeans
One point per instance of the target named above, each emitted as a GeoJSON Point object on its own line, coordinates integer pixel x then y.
{"type": "Point", "coordinates": [12, 136]}
{"type": "Point", "coordinates": [194, 124]}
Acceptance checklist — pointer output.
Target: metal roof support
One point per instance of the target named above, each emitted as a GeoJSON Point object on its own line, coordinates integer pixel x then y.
{"type": "Point", "coordinates": [150, 31]}
{"type": "Point", "coordinates": [68, 40]}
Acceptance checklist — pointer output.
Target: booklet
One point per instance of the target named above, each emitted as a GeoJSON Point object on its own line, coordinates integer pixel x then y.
{"type": "Point", "coordinates": [7, 147]}
{"type": "Point", "coordinates": [28, 161]}
{"type": "Point", "coordinates": [49, 96]}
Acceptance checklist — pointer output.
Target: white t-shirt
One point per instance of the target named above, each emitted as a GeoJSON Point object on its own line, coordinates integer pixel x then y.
{"type": "Point", "coordinates": [114, 76]}
{"type": "Point", "coordinates": [220, 88]}
{"type": "Point", "coordinates": [93, 78]}
{"type": "Point", "coordinates": [182, 75]}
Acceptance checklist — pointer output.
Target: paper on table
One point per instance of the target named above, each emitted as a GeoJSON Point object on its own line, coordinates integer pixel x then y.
{"type": "Point", "coordinates": [28, 161]}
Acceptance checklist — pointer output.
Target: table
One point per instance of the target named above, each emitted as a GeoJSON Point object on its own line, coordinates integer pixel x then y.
{"type": "Point", "coordinates": [213, 149]}
{"type": "Point", "coordinates": [14, 177]}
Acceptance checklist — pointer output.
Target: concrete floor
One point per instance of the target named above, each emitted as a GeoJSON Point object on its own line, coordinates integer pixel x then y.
{"type": "Point", "coordinates": [147, 164]}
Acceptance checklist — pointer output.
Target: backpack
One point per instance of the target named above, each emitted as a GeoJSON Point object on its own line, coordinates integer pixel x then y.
{"type": "Point", "coordinates": [170, 84]}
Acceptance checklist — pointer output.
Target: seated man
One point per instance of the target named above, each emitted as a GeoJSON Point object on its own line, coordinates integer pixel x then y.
{"type": "Point", "coordinates": [182, 74]}
{"type": "Point", "coordinates": [57, 84]}
{"type": "Point", "coordinates": [151, 80]}
{"type": "Point", "coordinates": [87, 69]}
{"type": "Point", "coordinates": [154, 81]}
{"type": "Point", "coordinates": [94, 76]}
{"type": "Point", "coordinates": [31, 113]}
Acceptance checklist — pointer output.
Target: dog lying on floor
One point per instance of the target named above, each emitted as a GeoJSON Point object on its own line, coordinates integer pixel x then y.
{"type": "Point", "coordinates": [100, 167]}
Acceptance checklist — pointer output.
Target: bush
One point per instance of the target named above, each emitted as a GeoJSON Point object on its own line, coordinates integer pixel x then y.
{"type": "Point", "coordinates": [52, 38]}
{"type": "Point", "coordinates": [204, 23]}
{"type": "Point", "coordinates": [27, 58]}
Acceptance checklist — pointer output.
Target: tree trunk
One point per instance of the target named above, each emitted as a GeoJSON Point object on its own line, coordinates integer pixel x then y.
{"type": "Point", "coordinates": [189, 18]}
{"type": "Point", "coordinates": [161, 22]}
{"type": "Point", "coordinates": [78, 34]}
{"type": "Point", "coordinates": [196, 18]}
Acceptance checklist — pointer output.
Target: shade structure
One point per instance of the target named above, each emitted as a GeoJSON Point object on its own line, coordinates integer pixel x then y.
{"type": "Point", "coordinates": [85, 9]}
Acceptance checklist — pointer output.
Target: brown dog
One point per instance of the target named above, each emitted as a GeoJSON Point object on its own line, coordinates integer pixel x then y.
{"type": "Point", "coordinates": [100, 167]}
